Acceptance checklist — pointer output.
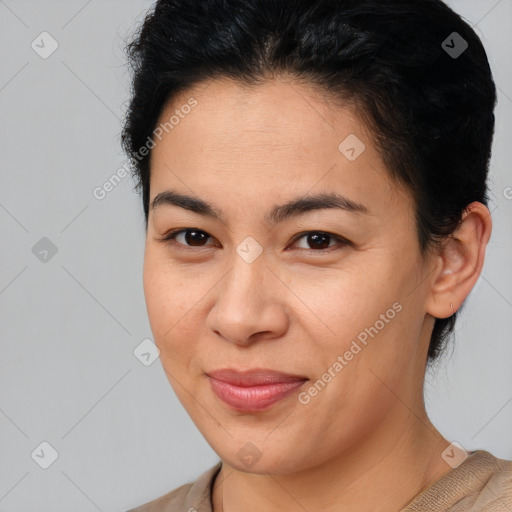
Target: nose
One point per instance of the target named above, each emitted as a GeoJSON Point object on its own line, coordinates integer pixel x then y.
{"type": "Point", "coordinates": [249, 304]}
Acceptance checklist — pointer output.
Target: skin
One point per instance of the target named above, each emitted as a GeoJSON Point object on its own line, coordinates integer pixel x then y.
{"type": "Point", "coordinates": [364, 442]}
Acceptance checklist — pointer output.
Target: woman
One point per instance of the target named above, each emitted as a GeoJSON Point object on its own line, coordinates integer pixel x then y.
{"type": "Point", "coordinates": [313, 176]}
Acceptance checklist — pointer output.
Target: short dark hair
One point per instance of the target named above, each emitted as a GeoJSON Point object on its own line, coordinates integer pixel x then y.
{"type": "Point", "coordinates": [429, 109]}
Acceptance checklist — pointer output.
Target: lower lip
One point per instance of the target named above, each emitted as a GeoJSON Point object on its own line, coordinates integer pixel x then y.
{"type": "Point", "coordinates": [253, 398]}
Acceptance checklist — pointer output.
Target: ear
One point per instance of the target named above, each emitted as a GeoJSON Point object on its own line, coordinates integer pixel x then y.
{"type": "Point", "coordinates": [459, 263]}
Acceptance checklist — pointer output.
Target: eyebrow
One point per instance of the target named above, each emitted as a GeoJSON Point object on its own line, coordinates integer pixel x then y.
{"type": "Point", "coordinates": [278, 214]}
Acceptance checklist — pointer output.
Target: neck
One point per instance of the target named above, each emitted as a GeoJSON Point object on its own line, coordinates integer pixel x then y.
{"type": "Point", "coordinates": [382, 473]}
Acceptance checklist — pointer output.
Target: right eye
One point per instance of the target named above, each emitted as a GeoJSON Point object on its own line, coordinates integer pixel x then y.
{"type": "Point", "coordinates": [190, 237]}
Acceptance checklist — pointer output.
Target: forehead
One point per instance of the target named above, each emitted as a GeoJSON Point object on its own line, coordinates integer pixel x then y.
{"type": "Point", "coordinates": [276, 139]}
{"type": "Point", "coordinates": [278, 112]}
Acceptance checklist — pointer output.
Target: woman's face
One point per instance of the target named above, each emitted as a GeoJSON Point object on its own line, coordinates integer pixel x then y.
{"type": "Point", "coordinates": [335, 296]}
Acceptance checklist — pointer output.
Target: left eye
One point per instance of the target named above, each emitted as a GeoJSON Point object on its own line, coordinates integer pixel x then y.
{"type": "Point", "coordinates": [319, 240]}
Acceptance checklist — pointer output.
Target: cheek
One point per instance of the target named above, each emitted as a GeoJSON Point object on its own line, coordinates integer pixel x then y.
{"type": "Point", "coordinates": [169, 300]}
{"type": "Point", "coordinates": [345, 302]}
{"type": "Point", "coordinates": [367, 319]}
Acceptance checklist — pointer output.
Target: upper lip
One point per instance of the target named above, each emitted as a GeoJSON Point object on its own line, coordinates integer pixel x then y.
{"type": "Point", "coordinates": [253, 377]}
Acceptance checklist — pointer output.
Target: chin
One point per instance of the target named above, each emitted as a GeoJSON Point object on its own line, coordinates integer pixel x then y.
{"type": "Point", "coordinates": [269, 460]}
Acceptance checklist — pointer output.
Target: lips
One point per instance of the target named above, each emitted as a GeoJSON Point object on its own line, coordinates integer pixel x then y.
{"type": "Point", "coordinates": [253, 390]}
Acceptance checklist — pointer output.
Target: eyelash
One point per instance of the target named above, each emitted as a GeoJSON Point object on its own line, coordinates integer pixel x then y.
{"type": "Point", "coordinates": [170, 238]}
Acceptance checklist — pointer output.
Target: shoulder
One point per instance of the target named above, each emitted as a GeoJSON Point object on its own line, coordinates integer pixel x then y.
{"type": "Point", "coordinates": [495, 492]}
{"type": "Point", "coordinates": [171, 501]}
{"type": "Point", "coordinates": [482, 483]}
{"type": "Point", "coordinates": [190, 497]}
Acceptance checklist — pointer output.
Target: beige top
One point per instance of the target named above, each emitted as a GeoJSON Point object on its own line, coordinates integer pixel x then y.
{"type": "Point", "coordinates": [482, 483]}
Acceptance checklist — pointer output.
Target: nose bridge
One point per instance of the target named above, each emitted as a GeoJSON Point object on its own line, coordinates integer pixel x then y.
{"type": "Point", "coordinates": [244, 290]}
{"type": "Point", "coordinates": [245, 283]}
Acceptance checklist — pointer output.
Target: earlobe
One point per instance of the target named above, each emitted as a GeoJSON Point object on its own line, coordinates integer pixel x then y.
{"type": "Point", "coordinates": [460, 262]}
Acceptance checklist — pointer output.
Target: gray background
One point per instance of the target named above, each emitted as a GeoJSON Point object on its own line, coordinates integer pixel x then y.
{"type": "Point", "coordinates": [69, 325]}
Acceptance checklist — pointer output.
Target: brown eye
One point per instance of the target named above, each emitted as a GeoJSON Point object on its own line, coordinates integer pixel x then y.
{"type": "Point", "coordinates": [189, 237]}
{"type": "Point", "coordinates": [319, 240]}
